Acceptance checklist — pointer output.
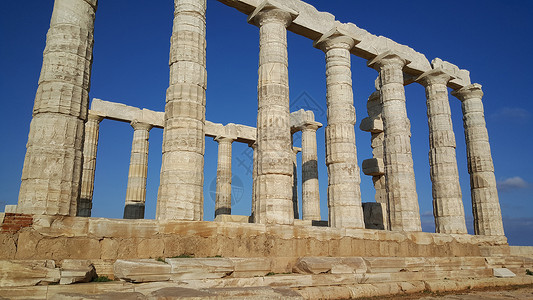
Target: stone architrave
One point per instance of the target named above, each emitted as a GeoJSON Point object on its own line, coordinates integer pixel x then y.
{"type": "Point", "coordinates": [136, 191]}
{"type": "Point", "coordinates": [344, 193]}
{"type": "Point", "coordinates": [448, 207]}
{"type": "Point", "coordinates": [180, 195]}
{"type": "Point", "coordinates": [310, 189]}
{"type": "Point", "coordinates": [53, 164]}
{"type": "Point", "coordinates": [400, 182]}
{"type": "Point", "coordinates": [274, 160]}
{"type": "Point", "coordinates": [295, 209]}
{"type": "Point", "coordinates": [485, 203]}
{"type": "Point", "coordinates": [90, 147]}
{"type": "Point", "coordinates": [223, 190]}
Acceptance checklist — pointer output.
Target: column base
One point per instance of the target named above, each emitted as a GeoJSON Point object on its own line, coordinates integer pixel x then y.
{"type": "Point", "coordinates": [134, 211]}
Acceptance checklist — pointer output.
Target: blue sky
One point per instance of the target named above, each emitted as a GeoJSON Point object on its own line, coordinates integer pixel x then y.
{"type": "Point", "coordinates": [492, 39]}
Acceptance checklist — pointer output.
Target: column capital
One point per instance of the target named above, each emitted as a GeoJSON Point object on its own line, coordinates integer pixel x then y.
{"type": "Point", "coordinates": [93, 3]}
{"type": "Point", "coordinates": [388, 58]}
{"type": "Point", "coordinates": [468, 92]}
{"type": "Point", "coordinates": [94, 117]}
{"type": "Point", "coordinates": [335, 38]}
{"type": "Point", "coordinates": [434, 76]}
{"type": "Point", "coordinates": [224, 139]}
{"type": "Point", "coordinates": [272, 10]}
{"type": "Point", "coordinates": [137, 125]}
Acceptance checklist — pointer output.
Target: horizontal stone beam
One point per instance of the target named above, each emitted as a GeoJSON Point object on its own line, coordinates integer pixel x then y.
{"type": "Point", "coordinates": [312, 24]}
{"type": "Point", "coordinates": [241, 133]}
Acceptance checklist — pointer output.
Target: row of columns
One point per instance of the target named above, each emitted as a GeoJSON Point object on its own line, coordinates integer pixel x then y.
{"type": "Point", "coordinates": [53, 164]}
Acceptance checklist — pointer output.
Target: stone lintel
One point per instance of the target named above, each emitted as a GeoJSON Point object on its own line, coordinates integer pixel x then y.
{"type": "Point", "coordinates": [461, 76]}
{"type": "Point", "coordinates": [272, 5]}
{"type": "Point", "coordinates": [437, 75]}
{"type": "Point", "coordinates": [126, 113]}
{"type": "Point", "coordinates": [470, 91]}
{"type": "Point", "coordinates": [373, 167]}
{"type": "Point", "coordinates": [388, 55]}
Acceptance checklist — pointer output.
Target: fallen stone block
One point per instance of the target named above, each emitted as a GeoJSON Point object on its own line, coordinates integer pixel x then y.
{"type": "Point", "coordinates": [73, 270]}
{"type": "Point", "coordinates": [141, 270]}
{"type": "Point", "coordinates": [27, 273]}
{"type": "Point", "coordinates": [175, 293]}
{"type": "Point", "coordinates": [334, 265]}
{"type": "Point", "coordinates": [503, 273]}
{"type": "Point", "coordinates": [105, 296]}
{"type": "Point", "coordinates": [199, 268]}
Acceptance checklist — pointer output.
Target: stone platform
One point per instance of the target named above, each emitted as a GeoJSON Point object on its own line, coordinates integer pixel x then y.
{"type": "Point", "coordinates": [228, 260]}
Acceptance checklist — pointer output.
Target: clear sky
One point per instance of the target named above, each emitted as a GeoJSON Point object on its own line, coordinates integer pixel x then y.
{"type": "Point", "coordinates": [490, 38]}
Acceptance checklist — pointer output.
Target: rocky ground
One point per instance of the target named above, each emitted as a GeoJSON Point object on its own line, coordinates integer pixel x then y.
{"type": "Point", "coordinates": [515, 292]}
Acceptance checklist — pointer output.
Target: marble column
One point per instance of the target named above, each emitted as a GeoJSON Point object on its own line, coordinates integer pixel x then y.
{"type": "Point", "coordinates": [344, 193]}
{"type": "Point", "coordinates": [274, 161]}
{"type": "Point", "coordinates": [310, 190]}
{"type": "Point", "coordinates": [448, 207]}
{"type": "Point", "coordinates": [90, 147]}
{"type": "Point", "coordinates": [254, 183]}
{"type": "Point", "coordinates": [402, 198]}
{"type": "Point", "coordinates": [136, 191]}
{"type": "Point", "coordinates": [180, 194]}
{"type": "Point", "coordinates": [223, 192]}
{"type": "Point", "coordinates": [374, 108]}
{"type": "Point", "coordinates": [485, 203]}
{"type": "Point", "coordinates": [53, 164]}
{"type": "Point", "coordinates": [295, 208]}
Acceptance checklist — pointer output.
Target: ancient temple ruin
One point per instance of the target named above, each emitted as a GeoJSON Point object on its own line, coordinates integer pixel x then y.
{"type": "Point", "coordinates": [59, 167]}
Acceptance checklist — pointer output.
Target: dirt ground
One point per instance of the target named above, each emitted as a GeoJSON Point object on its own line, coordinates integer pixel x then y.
{"type": "Point", "coordinates": [514, 292]}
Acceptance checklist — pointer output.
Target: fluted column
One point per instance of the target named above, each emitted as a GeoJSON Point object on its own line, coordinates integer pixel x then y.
{"type": "Point", "coordinates": [53, 164]}
{"type": "Point", "coordinates": [344, 193]}
{"type": "Point", "coordinates": [90, 147]}
{"type": "Point", "coordinates": [485, 203]}
{"type": "Point", "coordinates": [448, 207]}
{"type": "Point", "coordinates": [274, 161]}
{"type": "Point", "coordinates": [136, 191]}
{"type": "Point", "coordinates": [295, 209]}
{"type": "Point", "coordinates": [254, 183]}
{"type": "Point", "coordinates": [402, 198]}
{"type": "Point", "coordinates": [223, 192]}
{"type": "Point", "coordinates": [310, 190]}
{"type": "Point", "coordinates": [180, 194]}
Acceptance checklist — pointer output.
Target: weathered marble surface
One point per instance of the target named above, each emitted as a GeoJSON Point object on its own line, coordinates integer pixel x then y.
{"type": "Point", "coordinates": [53, 164]}
{"type": "Point", "coordinates": [274, 150]}
{"type": "Point", "coordinates": [180, 193]}
{"type": "Point", "coordinates": [344, 194]}
{"type": "Point", "coordinates": [400, 183]}
{"type": "Point", "coordinates": [485, 203]}
{"type": "Point", "coordinates": [448, 207]}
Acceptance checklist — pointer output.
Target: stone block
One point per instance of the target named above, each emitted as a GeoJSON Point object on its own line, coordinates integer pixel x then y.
{"type": "Point", "coordinates": [27, 273]}
{"type": "Point", "coordinates": [142, 270]}
{"type": "Point", "coordinates": [249, 267]}
{"type": "Point", "coordinates": [371, 124]}
{"type": "Point", "coordinates": [232, 218]}
{"type": "Point", "coordinates": [375, 215]}
{"type": "Point", "coordinates": [503, 273]}
{"type": "Point", "coordinates": [10, 209]}
{"type": "Point", "coordinates": [199, 268]}
{"type": "Point", "coordinates": [73, 271]}
{"type": "Point", "coordinates": [373, 167]}
{"type": "Point", "coordinates": [171, 293]}
{"type": "Point", "coordinates": [334, 265]}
